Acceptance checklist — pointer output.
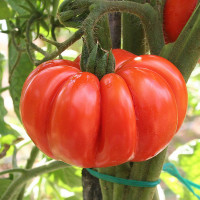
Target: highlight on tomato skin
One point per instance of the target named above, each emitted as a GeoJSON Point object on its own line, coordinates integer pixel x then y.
{"type": "Point", "coordinates": [175, 16]}
{"type": "Point", "coordinates": [72, 116]}
{"type": "Point", "coordinates": [171, 74]}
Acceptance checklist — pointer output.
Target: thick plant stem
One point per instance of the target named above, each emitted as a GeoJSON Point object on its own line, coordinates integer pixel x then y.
{"type": "Point", "coordinates": [145, 171]}
{"type": "Point", "coordinates": [142, 171]}
{"type": "Point", "coordinates": [33, 156]}
{"type": "Point", "coordinates": [156, 195]}
{"type": "Point", "coordinates": [121, 171]}
{"type": "Point", "coordinates": [18, 183]}
{"type": "Point", "coordinates": [148, 15]}
{"type": "Point", "coordinates": [107, 187]}
{"type": "Point", "coordinates": [133, 33]}
{"type": "Point", "coordinates": [103, 33]}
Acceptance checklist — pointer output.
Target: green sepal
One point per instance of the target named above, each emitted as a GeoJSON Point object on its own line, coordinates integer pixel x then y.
{"type": "Point", "coordinates": [73, 18]}
{"type": "Point", "coordinates": [91, 63]}
{"type": "Point", "coordinates": [64, 16]}
{"type": "Point", "coordinates": [64, 5]}
{"type": "Point", "coordinates": [100, 70]}
{"type": "Point", "coordinates": [84, 57]}
{"type": "Point", "coordinates": [111, 63]}
{"type": "Point", "coordinates": [72, 13]}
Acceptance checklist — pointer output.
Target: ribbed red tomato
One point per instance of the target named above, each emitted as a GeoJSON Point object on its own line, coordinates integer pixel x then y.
{"type": "Point", "coordinates": [176, 14]}
{"type": "Point", "coordinates": [129, 115]}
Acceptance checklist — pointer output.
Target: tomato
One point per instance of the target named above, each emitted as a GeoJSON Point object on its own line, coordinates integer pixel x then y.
{"type": "Point", "coordinates": [175, 16]}
{"type": "Point", "coordinates": [129, 115]}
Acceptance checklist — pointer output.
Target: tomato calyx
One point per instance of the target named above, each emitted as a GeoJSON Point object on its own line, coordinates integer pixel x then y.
{"type": "Point", "coordinates": [98, 61]}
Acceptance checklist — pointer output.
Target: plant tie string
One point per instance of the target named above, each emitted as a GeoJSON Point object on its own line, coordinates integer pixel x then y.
{"type": "Point", "coordinates": [168, 167]}
{"type": "Point", "coordinates": [172, 170]}
{"type": "Point", "coordinates": [123, 181]}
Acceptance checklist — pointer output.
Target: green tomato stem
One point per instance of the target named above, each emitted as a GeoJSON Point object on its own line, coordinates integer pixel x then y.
{"type": "Point", "coordinates": [62, 46]}
{"type": "Point", "coordinates": [156, 195]}
{"type": "Point", "coordinates": [145, 171]}
{"type": "Point", "coordinates": [147, 14]}
{"type": "Point", "coordinates": [121, 171]}
{"type": "Point", "coordinates": [14, 170]}
{"type": "Point", "coordinates": [107, 187]}
{"type": "Point", "coordinates": [133, 33]}
{"type": "Point", "coordinates": [103, 33]}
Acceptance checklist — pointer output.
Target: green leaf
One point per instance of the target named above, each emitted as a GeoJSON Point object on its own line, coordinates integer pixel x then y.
{"type": "Point", "coordinates": [26, 8]}
{"type": "Point", "coordinates": [193, 92]}
{"type": "Point", "coordinates": [4, 183]}
{"type": "Point", "coordinates": [6, 145]}
{"type": "Point", "coordinates": [173, 184]}
{"type": "Point", "coordinates": [4, 127]}
{"type": "Point", "coordinates": [70, 176]}
{"type": "Point", "coordinates": [20, 67]}
{"type": "Point", "coordinates": [69, 179]}
{"type": "Point", "coordinates": [186, 159]}
{"type": "Point", "coordinates": [15, 6]}
{"type": "Point", "coordinates": [5, 12]}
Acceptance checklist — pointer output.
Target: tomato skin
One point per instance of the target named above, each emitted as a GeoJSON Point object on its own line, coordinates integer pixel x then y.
{"type": "Point", "coordinates": [156, 103]}
{"type": "Point", "coordinates": [78, 59]}
{"type": "Point", "coordinates": [175, 16]}
{"type": "Point", "coordinates": [36, 100]}
{"type": "Point", "coordinates": [75, 119]}
{"type": "Point", "coordinates": [129, 115]}
{"type": "Point", "coordinates": [121, 57]}
{"type": "Point", "coordinates": [118, 134]}
{"type": "Point", "coordinates": [171, 74]}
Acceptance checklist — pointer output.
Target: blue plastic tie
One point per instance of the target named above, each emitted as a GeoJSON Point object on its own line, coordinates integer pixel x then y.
{"type": "Point", "coordinates": [168, 167]}
{"type": "Point", "coordinates": [171, 169]}
{"type": "Point", "coordinates": [123, 181]}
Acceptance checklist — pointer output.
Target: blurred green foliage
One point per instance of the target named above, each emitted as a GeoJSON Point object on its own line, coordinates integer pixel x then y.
{"type": "Point", "coordinates": [186, 159]}
{"type": "Point", "coordinates": [193, 86]}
